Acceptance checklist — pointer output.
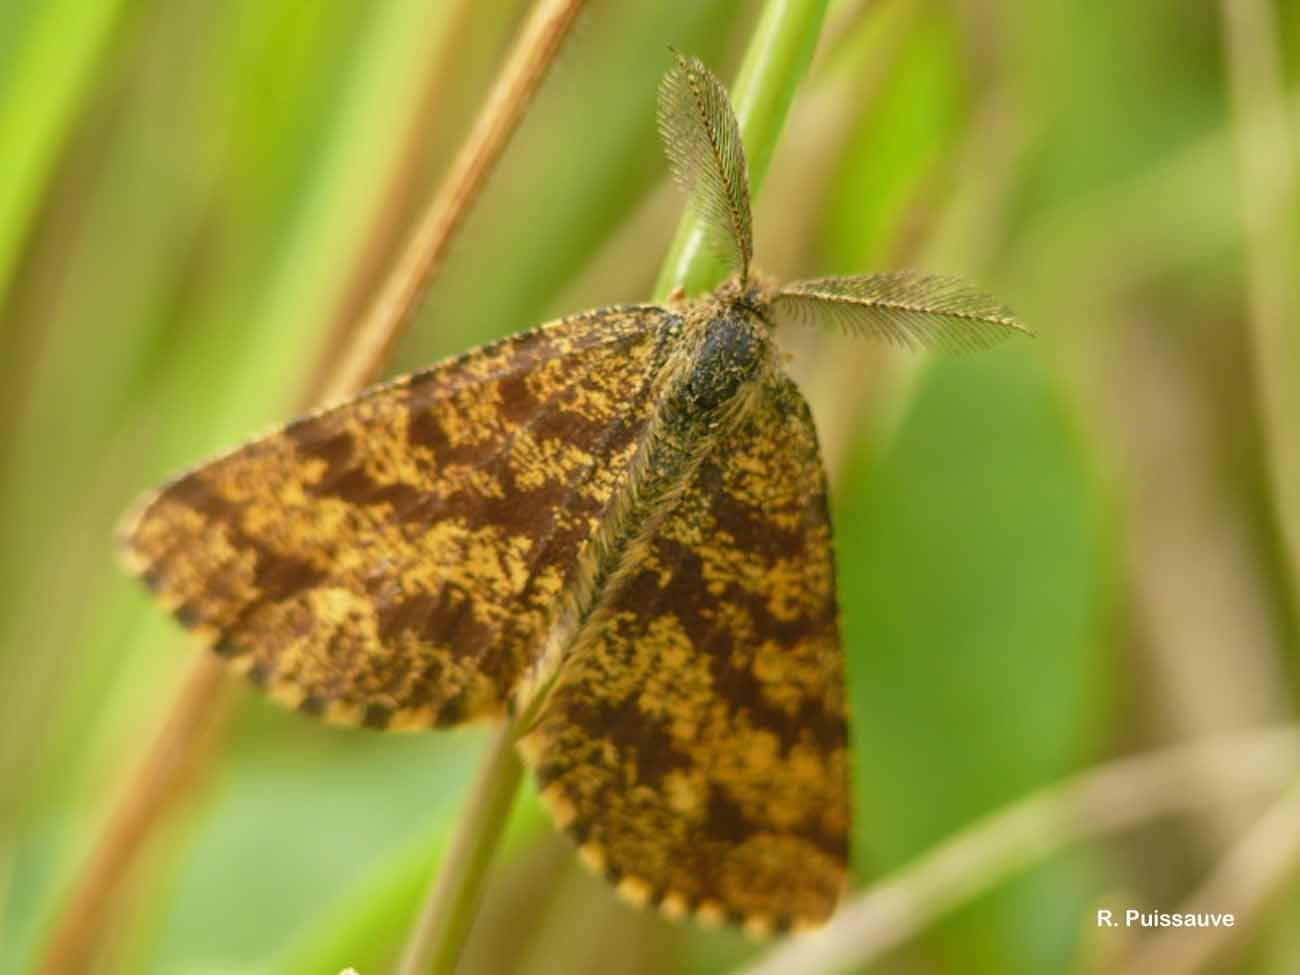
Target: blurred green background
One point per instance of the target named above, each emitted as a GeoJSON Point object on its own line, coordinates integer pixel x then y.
{"type": "Point", "coordinates": [1051, 554]}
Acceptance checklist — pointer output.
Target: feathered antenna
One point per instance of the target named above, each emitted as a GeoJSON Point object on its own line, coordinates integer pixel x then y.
{"type": "Point", "coordinates": [906, 307]}
{"type": "Point", "coordinates": [707, 159]}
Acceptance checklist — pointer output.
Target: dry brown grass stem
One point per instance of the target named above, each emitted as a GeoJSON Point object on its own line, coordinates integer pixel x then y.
{"type": "Point", "coordinates": [534, 51]}
{"type": "Point", "coordinates": [172, 763]}
{"type": "Point", "coordinates": [1261, 865]}
{"type": "Point", "coordinates": [405, 186]}
{"type": "Point", "coordinates": [1244, 883]}
{"type": "Point", "coordinates": [1270, 200]}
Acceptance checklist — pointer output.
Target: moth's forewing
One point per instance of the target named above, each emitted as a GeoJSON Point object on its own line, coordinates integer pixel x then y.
{"type": "Point", "coordinates": [394, 561]}
{"type": "Point", "coordinates": [695, 747]}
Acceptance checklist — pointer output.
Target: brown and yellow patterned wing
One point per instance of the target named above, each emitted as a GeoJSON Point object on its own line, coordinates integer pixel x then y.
{"type": "Point", "coordinates": [695, 747]}
{"type": "Point", "coordinates": [393, 561]}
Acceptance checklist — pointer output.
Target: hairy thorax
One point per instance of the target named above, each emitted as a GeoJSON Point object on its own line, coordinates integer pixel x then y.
{"type": "Point", "coordinates": [720, 357]}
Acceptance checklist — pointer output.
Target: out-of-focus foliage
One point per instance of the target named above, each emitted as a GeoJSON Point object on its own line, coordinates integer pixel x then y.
{"type": "Point", "coordinates": [1050, 554]}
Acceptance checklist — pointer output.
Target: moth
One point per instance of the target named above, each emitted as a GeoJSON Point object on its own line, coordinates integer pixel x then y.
{"type": "Point", "coordinates": [612, 529]}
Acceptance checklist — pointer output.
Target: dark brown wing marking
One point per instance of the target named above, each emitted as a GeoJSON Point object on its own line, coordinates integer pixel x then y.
{"type": "Point", "coordinates": [696, 748]}
{"type": "Point", "coordinates": [393, 561]}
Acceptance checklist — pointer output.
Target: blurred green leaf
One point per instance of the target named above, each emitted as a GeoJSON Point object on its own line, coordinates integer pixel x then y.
{"type": "Point", "coordinates": [914, 121]}
{"type": "Point", "coordinates": [48, 61]}
{"type": "Point", "coordinates": [188, 187]}
{"type": "Point", "coordinates": [288, 836]}
{"type": "Point", "coordinates": [972, 559]}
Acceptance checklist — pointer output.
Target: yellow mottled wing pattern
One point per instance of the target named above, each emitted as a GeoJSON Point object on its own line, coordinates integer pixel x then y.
{"type": "Point", "coordinates": [393, 561]}
{"type": "Point", "coordinates": [695, 748]}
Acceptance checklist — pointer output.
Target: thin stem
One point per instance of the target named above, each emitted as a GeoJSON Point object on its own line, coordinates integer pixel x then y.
{"type": "Point", "coordinates": [1253, 873]}
{"type": "Point", "coordinates": [405, 187]}
{"type": "Point", "coordinates": [538, 43]}
{"type": "Point", "coordinates": [1114, 797]}
{"type": "Point", "coordinates": [1270, 202]}
{"type": "Point", "coordinates": [448, 912]}
{"type": "Point", "coordinates": [191, 717]}
{"type": "Point", "coordinates": [1267, 859]}
{"type": "Point", "coordinates": [777, 57]}
{"type": "Point", "coordinates": [172, 762]}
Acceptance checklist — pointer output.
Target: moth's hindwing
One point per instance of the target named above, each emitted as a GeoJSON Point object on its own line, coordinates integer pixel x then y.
{"type": "Point", "coordinates": [695, 747]}
{"type": "Point", "coordinates": [393, 561]}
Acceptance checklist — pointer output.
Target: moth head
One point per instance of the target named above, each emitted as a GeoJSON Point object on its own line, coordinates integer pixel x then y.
{"type": "Point", "coordinates": [702, 140]}
{"type": "Point", "coordinates": [750, 297]}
